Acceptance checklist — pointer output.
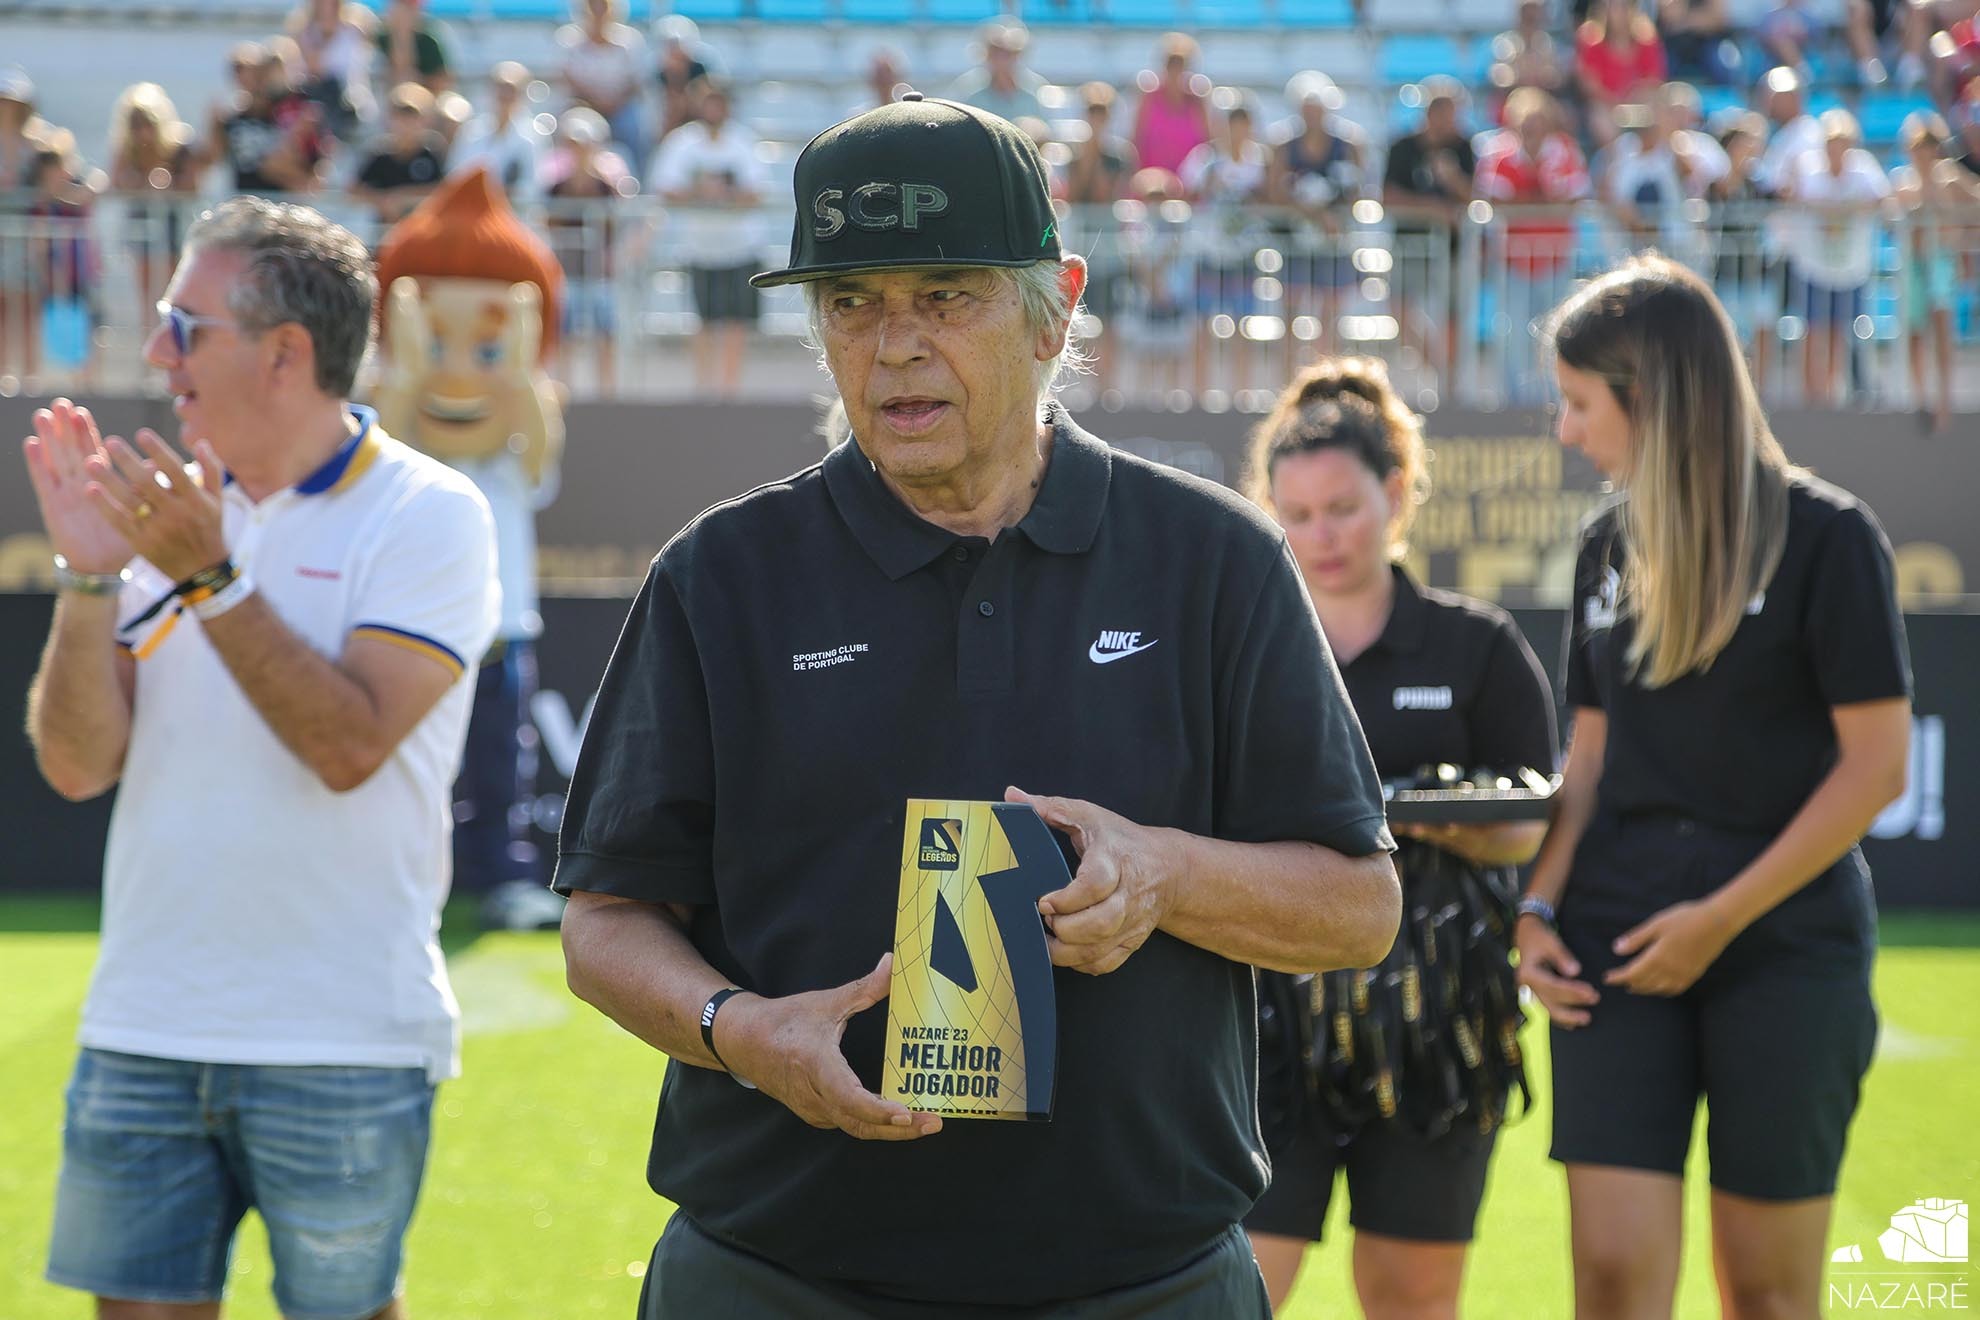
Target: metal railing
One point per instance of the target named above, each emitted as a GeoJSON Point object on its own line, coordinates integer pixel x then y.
{"type": "Point", "coordinates": [1206, 306]}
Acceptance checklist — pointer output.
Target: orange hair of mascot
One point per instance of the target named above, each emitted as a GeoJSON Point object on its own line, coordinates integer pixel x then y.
{"type": "Point", "coordinates": [469, 314]}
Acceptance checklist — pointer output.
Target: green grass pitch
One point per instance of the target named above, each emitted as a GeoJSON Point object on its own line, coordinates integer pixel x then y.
{"type": "Point", "coordinates": [535, 1202]}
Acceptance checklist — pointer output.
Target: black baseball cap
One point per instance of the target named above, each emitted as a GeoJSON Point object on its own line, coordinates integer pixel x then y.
{"type": "Point", "coordinates": [918, 183]}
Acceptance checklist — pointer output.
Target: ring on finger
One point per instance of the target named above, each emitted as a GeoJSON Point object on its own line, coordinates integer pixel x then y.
{"type": "Point", "coordinates": [142, 511]}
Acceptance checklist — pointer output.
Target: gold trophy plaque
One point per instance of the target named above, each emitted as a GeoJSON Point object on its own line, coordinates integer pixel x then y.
{"type": "Point", "coordinates": [972, 1017]}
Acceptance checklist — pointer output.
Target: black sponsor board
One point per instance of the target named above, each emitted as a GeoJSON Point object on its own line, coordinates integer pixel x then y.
{"type": "Point", "coordinates": [1921, 850]}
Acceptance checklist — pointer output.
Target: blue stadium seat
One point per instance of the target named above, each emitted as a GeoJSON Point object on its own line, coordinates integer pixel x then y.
{"type": "Point", "coordinates": [1143, 13]}
{"type": "Point", "coordinates": [1230, 13]}
{"type": "Point", "coordinates": [879, 11]}
{"type": "Point", "coordinates": [709, 11]}
{"type": "Point", "coordinates": [962, 11]}
{"type": "Point", "coordinates": [1883, 116]}
{"type": "Point", "coordinates": [1712, 100]}
{"type": "Point", "coordinates": [1315, 13]}
{"type": "Point", "coordinates": [1056, 13]}
{"type": "Point", "coordinates": [793, 11]}
{"type": "Point", "coordinates": [549, 11]}
{"type": "Point", "coordinates": [1412, 57]}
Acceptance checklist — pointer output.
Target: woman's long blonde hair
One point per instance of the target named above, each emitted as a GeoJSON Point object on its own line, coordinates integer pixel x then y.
{"type": "Point", "coordinates": [1705, 518]}
{"type": "Point", "coordinates": [1345, 403]}
{"type": "Point", "coordinates": [149, 100]}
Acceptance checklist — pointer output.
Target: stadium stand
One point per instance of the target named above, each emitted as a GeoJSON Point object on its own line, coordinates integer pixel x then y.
{"type": "Point", "coordinates": [798, 65]}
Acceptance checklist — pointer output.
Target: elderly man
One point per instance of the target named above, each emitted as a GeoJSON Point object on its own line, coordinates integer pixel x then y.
{"type": "Point", "coordinates": [264, 652]}
{"type": "Point", "coordinates": [1021, 611]}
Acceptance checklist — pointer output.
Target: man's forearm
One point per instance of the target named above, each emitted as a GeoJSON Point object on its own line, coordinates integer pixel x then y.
{"type": "Point", "coordinates": [635, 964]}
{"type": "Point", "coordinates": [1292, 906]}
{"type": "Point", "coordinates": [79, 716]}
{"type": "Point", "coordinates": [317, 711]}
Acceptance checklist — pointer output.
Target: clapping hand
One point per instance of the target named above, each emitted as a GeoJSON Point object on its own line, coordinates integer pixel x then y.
{"type": "Point", "coordinates": [65, 439]}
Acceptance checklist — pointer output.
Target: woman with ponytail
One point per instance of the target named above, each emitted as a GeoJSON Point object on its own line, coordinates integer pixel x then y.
{"type": "Point", "coordinates": [1412, 1062]}
{"type": "Point", "coordinates": [1699, 924]}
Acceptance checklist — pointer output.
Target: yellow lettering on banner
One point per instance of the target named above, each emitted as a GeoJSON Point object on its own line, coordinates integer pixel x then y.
{"type": "Point", "coordinates": [1442, 525]}
{"type": "Point", "coordinates": [1925, 569]}
{"type": "Point", "coordinates": [1478, 464]}
{"type": "Point", "coordinates": [1488, 570]}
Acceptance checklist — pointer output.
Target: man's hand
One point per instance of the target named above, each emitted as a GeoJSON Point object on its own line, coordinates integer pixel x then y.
{"type": "Point", "coordinates": [64, 440]}
{"type": "Point", "coordinates": [1119, 896]}
{"type": "Point", "coordinates": [169, 512]}
{"type": "Point", "coordinates": [789, 1048]}
{"type": "Point", "coordinates": [1672, 949]}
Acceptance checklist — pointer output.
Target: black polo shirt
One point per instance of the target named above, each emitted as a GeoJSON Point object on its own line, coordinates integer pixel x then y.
{"type": "Point", "coordinates": [1451, 679]}
{"type": "Point", "coordinates": [386, 169]}
{"type": "Point", "coordinates": [1743, 744]}
{"type": "Point", "coordinates": [805, 659]}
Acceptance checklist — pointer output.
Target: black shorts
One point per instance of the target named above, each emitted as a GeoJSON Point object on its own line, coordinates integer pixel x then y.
{"type": "Point", "coordinates": [1775, 1037]}
{"type": "Point", "coordinates": [1401, 1183]}
{"type": "Point", "coordinates": [724, 293]}
{"type": "Point", "coordinates": [694, 1276]}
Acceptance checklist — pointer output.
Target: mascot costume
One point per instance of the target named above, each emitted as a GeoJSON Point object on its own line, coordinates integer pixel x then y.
{"type": "Point", "coordinates": [469, 313]}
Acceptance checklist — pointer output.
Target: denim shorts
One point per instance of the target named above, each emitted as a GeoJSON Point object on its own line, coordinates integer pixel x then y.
{"type": "Point", "coordinates": [161, 1158]}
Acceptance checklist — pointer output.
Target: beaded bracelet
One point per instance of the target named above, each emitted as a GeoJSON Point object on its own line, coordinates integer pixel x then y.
{"type": "Point", "coordinates": [1535, 906]}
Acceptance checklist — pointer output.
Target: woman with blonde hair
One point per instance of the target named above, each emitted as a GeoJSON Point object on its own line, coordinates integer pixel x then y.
{"type": "Point", "coordinates": [1416, 1058]}
{"type": "Point", "coordinates": [1699, 923]}
{"type": "Point", "coordinates": [154, 168]}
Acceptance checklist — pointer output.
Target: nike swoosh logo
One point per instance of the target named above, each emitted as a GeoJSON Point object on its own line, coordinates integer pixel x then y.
{"type": "Point", "coordinates": [1100, 657]}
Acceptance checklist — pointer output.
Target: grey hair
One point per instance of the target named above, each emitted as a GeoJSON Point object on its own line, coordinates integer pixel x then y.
{"type": "Point", "coordinates": [300, 267]}
{"type": "Point", "coordinates": [1041, 295]}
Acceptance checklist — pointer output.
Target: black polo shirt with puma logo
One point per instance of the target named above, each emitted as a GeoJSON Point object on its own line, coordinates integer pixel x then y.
{"type": "Point", "coordinates": [1451, 679]}
{"type": "Point", "coordinates": [806, 658]}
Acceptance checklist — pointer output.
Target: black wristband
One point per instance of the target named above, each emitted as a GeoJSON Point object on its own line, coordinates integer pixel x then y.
{"type": "Point", "coordinates": [209, 580]}
{"type": "Point", "coordinates": [708, 1012]}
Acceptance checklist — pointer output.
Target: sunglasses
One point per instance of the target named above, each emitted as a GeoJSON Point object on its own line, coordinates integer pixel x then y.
{"type": "Point", "coordinates": [183, 325]}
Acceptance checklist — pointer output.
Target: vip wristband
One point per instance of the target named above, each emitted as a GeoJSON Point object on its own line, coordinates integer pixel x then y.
{"type": "Point", "coordinates": [211, 606]}
{"type": "Point", "coordinates": [708, 1012]}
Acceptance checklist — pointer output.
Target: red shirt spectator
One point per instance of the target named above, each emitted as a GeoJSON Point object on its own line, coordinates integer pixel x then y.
{"type": "Point", "coordinates": [1618, 59]}
{"type": "Point", "coordinates": [1532, 162]}
{"type": "Point", "coordinates": [1624, 71]}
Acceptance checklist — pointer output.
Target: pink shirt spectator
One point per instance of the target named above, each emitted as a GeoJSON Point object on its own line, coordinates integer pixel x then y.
{"type": "Point", "coordinates": [1166, 132]}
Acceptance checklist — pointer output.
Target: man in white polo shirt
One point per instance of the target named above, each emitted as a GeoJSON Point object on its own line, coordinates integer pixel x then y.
{"type": "Point", "coordinates": [269, 665]}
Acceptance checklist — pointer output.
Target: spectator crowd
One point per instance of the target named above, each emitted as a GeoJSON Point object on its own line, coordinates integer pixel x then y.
{"type": "Point", "coordinates": [1229, 231]}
